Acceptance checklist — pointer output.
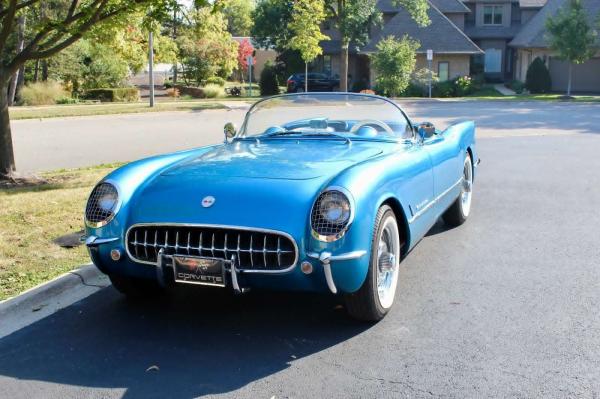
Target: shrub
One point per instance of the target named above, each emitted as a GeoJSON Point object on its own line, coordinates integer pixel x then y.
{"type": "Point", "coordinates": [359, 86]}
{"type": "Point", "coordinates": [463, 86]}
{"type": "Point", "coordinates": [213, 91]}
{"type": "Point", "coordinates": [215, 80]}
{"type": "Point", "coordinates": [172, 92]}
{"type": "Point", "coordinates": [538, 77]}
{"type": "Point", "coordinates": [269, 83]}
{"type": "Point", "coordinates": [394, 63]}
{"type": "Point", "coordinates": [43, 93]}
{"type": "Point", "coordinates": [121, 94]}
{"type": "Point", "coordinates": [443, 89]}
{"type": "Point", "coordinates": [516, 85]}
{"type": "Point", "coordinates": [415, 90]}
{"type": "Point", "coordinates": [67, 100]}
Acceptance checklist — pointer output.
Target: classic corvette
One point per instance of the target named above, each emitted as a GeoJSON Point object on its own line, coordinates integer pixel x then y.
{"type": "Point", "coordinates": [322, 192]}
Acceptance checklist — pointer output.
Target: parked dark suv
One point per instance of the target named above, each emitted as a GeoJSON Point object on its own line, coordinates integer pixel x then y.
{"type": "Point", "coordinates": [316, 82]}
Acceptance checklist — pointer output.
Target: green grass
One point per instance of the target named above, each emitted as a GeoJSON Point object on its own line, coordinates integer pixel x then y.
{"type": "Point", "coordinates": [489, 93]}
{"type": "Point", "coordinates": [32, 216]}
{"type": "Point", "coordinates": [57, 111]}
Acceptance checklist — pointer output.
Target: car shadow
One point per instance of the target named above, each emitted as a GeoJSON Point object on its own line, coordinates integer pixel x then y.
{"type": "Point", "coordinates": [188, 344]}
{"type": "Point", "coordinates": [438, 228]}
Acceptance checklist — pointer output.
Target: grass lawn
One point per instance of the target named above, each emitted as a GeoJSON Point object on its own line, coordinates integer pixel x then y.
{"type": "Point", "coordinates": [54, 111]}
{"type": "Point", "coordinates": [31, 217]}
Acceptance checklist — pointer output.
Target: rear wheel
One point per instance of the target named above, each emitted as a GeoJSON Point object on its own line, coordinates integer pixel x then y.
{"type": "Point", "coordinates": [459, 211]}
{"type": "Point", "coordinates": [376, 296]}
{"type": "Point", "coordinates": [135, 288]}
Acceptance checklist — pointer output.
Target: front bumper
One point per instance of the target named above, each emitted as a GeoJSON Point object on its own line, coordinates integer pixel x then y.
{"type": "Point", "coordinates": [333, 272]}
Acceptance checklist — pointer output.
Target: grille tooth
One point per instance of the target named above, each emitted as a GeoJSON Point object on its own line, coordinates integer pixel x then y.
{"type": "Point", "coordinates": [253, 250]}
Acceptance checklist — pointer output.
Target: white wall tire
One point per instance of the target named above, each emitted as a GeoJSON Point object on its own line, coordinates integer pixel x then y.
{"type": "Point", "coordinates": [460, 210]}
{"type": "Point", "coordinates": [376, 296]}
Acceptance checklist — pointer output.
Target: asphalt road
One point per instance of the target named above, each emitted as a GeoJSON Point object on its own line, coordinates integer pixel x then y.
{"type": "Point", "coordinates": [503, 306]}
{"type": "Point", "coordinates": [73, 142]}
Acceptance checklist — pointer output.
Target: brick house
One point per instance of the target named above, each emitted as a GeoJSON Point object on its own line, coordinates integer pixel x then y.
{"type": "Point", "coordinates": [499, 38]}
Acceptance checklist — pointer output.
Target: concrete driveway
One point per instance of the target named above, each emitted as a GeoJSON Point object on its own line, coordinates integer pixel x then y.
{"type": "Point", "coordinates": [72, 142]}
{"type": "Point", "coordinates": [503, 306]}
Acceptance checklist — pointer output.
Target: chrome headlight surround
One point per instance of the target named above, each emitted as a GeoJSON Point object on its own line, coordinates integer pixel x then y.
{"type": "Point", "coordinates": [329, 226]}
{"type": "Point", "coordinates": [103, 204]}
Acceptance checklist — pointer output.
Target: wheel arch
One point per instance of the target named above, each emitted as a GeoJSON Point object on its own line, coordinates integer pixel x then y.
{"type": "Point", "coordinates": [404, 229]}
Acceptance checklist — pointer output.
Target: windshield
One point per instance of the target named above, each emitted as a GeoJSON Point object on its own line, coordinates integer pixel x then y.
{"type": "Point", "coordinates": [345, 115]}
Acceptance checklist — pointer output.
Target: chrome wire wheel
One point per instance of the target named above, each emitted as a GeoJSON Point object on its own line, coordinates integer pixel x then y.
{"type": "Point", "coordinates": [388, 262]}
{"type": "Point", "coordinates": [467, 187]}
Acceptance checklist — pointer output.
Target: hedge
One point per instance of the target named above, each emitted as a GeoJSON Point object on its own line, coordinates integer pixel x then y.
{"type": "Point", "coordinates": [121, 94]}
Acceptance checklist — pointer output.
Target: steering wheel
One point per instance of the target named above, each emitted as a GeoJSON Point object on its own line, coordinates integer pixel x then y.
{"type": "Point", "coordinates": [368, 122]}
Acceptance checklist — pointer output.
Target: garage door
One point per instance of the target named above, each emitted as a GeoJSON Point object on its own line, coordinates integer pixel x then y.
{"type": "Point", "coordinates": [586, 77]}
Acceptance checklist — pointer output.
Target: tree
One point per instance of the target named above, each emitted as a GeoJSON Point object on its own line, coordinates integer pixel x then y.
{"type": "Point", "coordinates": [394, 63]}
{"type": "Point", "coordinates": [245, 50]}
{"type": "Point", "coordinates": [571, 35]}
{"type": "Point", "coordinates": [538, 78]}
{"type": "Point", "coordinates": [307, 16]}
{"type": "Point", "coordinates": [57, 25]}
{"type": "Point", "coordinates": [239, 16]}
{"type": "Point", "coordinates": [206, 48]}
{"type": "Point", "coordinates": [353, 18]}
{"type": "Point", "coordinates": [271, 20]}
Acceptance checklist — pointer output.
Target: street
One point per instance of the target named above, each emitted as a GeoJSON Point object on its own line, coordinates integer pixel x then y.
{"type": "Point", "coordinates": [504, 306]}
{"type": "Point", "coordinates": [74, 142]}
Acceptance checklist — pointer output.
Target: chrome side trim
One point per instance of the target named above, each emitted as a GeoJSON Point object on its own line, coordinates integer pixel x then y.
{"type": "Point", "coordinates": [93, 241]}
{"type": "Point", "coordinates": [326, 258]}
{"type": "Point", "coordinates": [334, 258]}
{"type": "Point", "coordinates": [218, 226]}
{"type": "Point", "coordinates": [339, 235]}
{"type": "Point", "coordinates": [434, 201]}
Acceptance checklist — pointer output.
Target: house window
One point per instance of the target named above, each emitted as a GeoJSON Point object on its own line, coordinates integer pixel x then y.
{"type": "Point", "coordinates": [327, 65]}
{"type": "Point", "coordinates": [493, 61]}
{"type": "Point", "coordinates": [443, 71]}
{"type": "Point", "coordinates": [492, 15]}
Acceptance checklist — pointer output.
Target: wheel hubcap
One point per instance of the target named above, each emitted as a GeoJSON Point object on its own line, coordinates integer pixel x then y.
{"type": "Point", "coordinates": [388, 256]}
{"type": "Point", "coordinates": [467, 187]}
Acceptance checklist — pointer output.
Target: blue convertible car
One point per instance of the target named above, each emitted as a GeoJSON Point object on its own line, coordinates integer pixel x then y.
{"type": "Point", "coordinates": [321, 192]}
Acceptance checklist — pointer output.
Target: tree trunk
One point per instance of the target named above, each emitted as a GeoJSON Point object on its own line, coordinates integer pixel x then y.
{"type": "Point", "coordinates": [36, 71]}
{"type": "Point", "coordinates": [344, 71]}
{"type": "Point", "coordinates": [44, 70]}
{"type": "Point", "coordinates": [306, 77]}
{"type": "Point", "coordinates": [20, 44]}
{"type": "Point", "coordinates": [570, 79]}
{"type": "Point", "coordinates": [7, 158]}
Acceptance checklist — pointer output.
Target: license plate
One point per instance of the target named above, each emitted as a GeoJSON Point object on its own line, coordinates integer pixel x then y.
{"type": "Point", "coordinates": [201, 271]}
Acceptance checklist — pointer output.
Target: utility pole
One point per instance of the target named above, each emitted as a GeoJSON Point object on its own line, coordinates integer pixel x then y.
{"type": "Point", "coordinates": [429, 62]}
{"type": "Point", "coordinates": [151, 66]}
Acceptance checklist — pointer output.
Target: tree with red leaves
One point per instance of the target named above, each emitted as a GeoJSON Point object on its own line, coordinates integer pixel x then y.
{"type": "Point", "coordinates": [245, 49]}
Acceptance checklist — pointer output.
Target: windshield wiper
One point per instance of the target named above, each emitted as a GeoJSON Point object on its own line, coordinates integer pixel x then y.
{"type": "Point", "coordinates": [345, 138]}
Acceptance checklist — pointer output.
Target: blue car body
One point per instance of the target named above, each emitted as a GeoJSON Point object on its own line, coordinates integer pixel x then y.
{"type": "Point", "coordinates": [272, 185]}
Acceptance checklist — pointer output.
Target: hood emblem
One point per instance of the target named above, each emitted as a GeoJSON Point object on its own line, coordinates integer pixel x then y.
{"type": "Point", "coordinates": [207, 202]}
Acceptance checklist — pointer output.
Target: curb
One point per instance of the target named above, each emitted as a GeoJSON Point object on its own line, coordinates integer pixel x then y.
{"type": "Point", "coordinates": [47, 298]}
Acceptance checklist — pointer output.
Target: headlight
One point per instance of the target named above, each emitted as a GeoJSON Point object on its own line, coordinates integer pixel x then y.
{"type": "Point", "coordinates": [102, 205]}
{"type": "Point", "coordinates": [331, 215]}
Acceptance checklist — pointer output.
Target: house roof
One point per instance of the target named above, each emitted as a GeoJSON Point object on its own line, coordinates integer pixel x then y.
{"type": "Point", "coordinates": [442, 36]}
{"type": "Point", "coordinates": [492, 32]}
{"type": "Point", "coordinates": [532, 34]}
{"type": "Point", "coordinates": [532, 3]}
{"type": "Point", "coordinates": [445, 6]}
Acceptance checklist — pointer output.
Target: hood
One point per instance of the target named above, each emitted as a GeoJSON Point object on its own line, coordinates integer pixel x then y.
{"type": "Point", "coordinates": [269, 185]}
{"type": "Point", "coordinates": [276, 159]}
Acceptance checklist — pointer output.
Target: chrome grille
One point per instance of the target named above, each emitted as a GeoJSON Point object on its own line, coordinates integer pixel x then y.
{"type": "Point", "coordinates": [94, 213]}
{"type": "Point", "coordinates": [320, 224]}
{"type": "Point", "coordinates": [253, 250]}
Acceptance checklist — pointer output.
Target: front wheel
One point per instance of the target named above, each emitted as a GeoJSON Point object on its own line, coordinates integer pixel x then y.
{"type": "Point", "coordinates": [376, 296]}
{"type": "Point", "coordinates": [459, 211]}
{"type": "Point", "coordinates": [135, 288]}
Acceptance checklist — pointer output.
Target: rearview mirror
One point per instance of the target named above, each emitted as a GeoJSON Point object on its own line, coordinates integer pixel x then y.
{"type": "Point", "coordinates": [230, 131]}
{"type": "Point", "coordinates": [426, 130]}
